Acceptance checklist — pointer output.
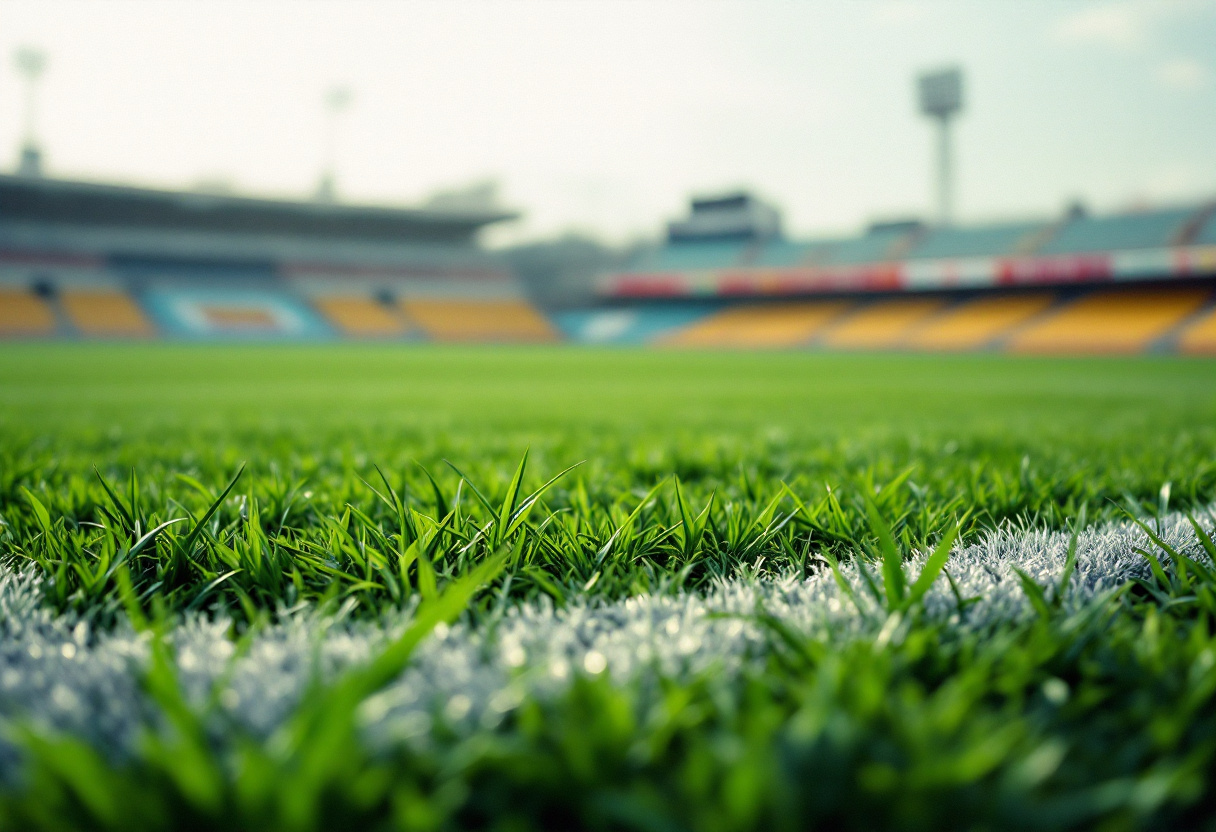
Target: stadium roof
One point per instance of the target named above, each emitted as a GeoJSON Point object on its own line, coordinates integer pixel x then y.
{"type": "Point", "coordinates": [66, 202]}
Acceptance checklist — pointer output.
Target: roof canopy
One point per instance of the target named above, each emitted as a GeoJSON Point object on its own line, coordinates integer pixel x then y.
{"type": "Point", "coordinates": [84, 203]}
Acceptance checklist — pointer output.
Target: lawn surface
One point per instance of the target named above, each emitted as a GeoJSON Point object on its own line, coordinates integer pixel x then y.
{"type": "Point", "coordinates": [383, 492]}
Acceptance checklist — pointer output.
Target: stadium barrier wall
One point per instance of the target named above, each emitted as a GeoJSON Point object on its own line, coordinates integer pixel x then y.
{"type": "Point", "coordinates": [966, 273]}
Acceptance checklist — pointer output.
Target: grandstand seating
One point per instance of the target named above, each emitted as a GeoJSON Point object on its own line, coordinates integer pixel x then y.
{"type": "Point", "coordinates": [105, 313]}
{"type": "Point", "coordinates": [134, 262]}
{"type": "Point", "coordinates": [1150, 229]}
{"type": "Point", "coordinates": [1199, 337]}
{"type": "Point", "coordinates": [361, 317]}
{"type": "Point", "coordinates": [22, 313]}
{"type": "Point", "coordinates": [977, 323]}
{"type": "Point", "coordinates": [881, 325]}
{"type": "Point", "coordinates": [1206, 235]}
{"type": "Point", "coordinates": [1110, 321]}
{"type": "Point", "coordinates": [789, 253]}
{"type": "Point", "coordinates": [990, 241]}
{"type": "Point", "coordinates": [629, 325]}
{"type": "Point", "coordinates": [232, 312]}
{"type": "Point", "coordinates": [702, 254]}
{"type": "Point", "coordinates": [875, 246]}
{"type": "Point", "coordinates": [770, 325]}
{"type": "Point", "coordinates": [478, 320]}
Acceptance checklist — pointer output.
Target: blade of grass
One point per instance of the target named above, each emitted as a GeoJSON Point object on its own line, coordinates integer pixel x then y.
{"type": "Point", "coordinates": [933, 567]}
{"type": "Point", "coordinates": [193, 536]}
{"type": "Point", "coordinates": [892, 560]}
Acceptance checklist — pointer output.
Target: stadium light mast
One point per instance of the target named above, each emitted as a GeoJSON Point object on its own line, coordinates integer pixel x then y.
{"type": "Point", "coordinates": [941, 98]}
{"type": "Point", "coordinates": [30, 63]}
{"type": "Point", "coordinates": [337, 101]}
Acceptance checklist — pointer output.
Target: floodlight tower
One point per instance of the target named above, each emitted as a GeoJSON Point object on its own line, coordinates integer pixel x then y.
{"type": "Point", "coordinates": [941, 98]}
{"type": "Point", "coordinates": [337, 100]}
{"type": "Point", "coordinates": [30, 63]}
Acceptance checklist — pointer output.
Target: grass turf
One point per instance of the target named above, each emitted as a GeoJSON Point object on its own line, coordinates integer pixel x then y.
{"type": "Point", "coordinates": [346, 498]}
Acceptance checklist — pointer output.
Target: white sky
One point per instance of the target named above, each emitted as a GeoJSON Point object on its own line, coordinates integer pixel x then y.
{"type": "Point", "coordinates": [604, 116]}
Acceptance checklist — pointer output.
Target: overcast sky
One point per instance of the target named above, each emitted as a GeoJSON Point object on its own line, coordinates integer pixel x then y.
{"type": "Point", "coordinates": [604, 116]}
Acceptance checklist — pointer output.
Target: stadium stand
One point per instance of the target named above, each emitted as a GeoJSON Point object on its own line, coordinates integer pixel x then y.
{"type": "Point", "coordinates": [24, 314]}
{"type": "Point", "coordinates": [475, 321]}
{"type": "Point", "coordinates": [105, 313]}
{"type": "Point", "coordinates": [362, 317]}
{"type": "Point", "coordinates": [1199, 336]}
{"type": "Point", "coordinates": [881, 325]}
{"type": "Point", "coordinates": [1115, 321]}
{"type": "Point", "coordinates": [987, 241]}
{"type": "Point", "coordinates": [701, 254]}
{"type": "Point", "coordinates": [210, 312]}
{"type": "Point", "coordinates": [908, 256]}
{"type": "Point", "coordinates": [759, 326]}
{"type": "Point", "coordinates": [132, 262]}
{"type": "Point", "coordinates": [1206, 233]}
{"type": "Point", "coordinates": [1193, 228]}
{"type": "Point", "coordinates": [88, 260]}
{"type": "Point", "coordinates": [790, 253]}
{"type": "Point", "coordinates": [979, 322]}
{"type": "Point", "coordinates": [1148, 229]}
{"type": "Point", "coordinates": [882, 242]}
{"type": "Point", "coordinates": [630, 325]}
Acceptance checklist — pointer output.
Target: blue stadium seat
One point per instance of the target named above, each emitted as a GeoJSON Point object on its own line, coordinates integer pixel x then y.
{"type": "Point", "coordinates": [1150, 229]}
{"type": "Point", "coordinates": [232, 313]}
{"type": "Point", "coordinates": [779, 253]}
{"type": "Point", "coordinates": [1207, 233]}
{"type": "Point", "coordinates": [710, 254]}
{"type": "Point", "coordinates": [990, 241]}
{"type": "Point", "coordinates": [627, 325]}
{"type": "Point", "coordinates": [872, 247]}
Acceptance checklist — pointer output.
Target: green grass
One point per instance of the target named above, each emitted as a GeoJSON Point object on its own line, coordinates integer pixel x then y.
{"type": "Point", "coordinates": [983, 439]}
{"type": "Point", "coordinates": [378, 476]}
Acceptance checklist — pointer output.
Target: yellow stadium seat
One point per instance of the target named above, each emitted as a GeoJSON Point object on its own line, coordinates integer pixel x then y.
{"type": "Point", "coordinates": [362, 317]}
{"type": "Point", "coordinates": [881, 325]}
{"type": "Point", "coordinates": [1110, 322]}
{"type": "Point", "coordinates": [479, 320]}
{"type": "Point", "coordinates": [1200, 337]}
{"type": "Point", "coordinates": [779, 325]}
{"type": "Point", "coordinates": [105, 313]}
{"type": "Point", "coordinates": [977, 323]}
{"type": "Point", "coordinates": [24, 313]}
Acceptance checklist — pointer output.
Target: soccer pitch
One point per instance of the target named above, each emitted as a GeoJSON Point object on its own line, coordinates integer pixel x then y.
{"type": "Point", "coordinates": [440, 588]}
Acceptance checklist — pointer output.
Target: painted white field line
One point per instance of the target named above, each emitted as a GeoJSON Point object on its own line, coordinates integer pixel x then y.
{"type": "Point", "coordinates": [57, 674]}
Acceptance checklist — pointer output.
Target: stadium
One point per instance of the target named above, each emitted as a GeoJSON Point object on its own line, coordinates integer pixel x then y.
{"type": "Point", "coordinates": [91, 261]}
{"type": "Point", "coordinates": [359, 509]}
{"type": "Point", "coordinates": [1124, 283]}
